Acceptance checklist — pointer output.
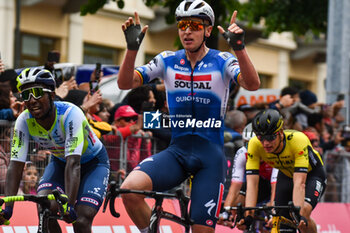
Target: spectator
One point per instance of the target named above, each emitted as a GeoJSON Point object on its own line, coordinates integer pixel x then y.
{"type": "Point", "coordinates": [287, 98]}
{"type": "Point", "coordinates": [5, 144]}
{"type": "Point", "coordinates": [141, 99]}
{"type": "Point", "coordinates": [235, 122]}
{"type": "Point", "coordinates": [10, 108]}
{"type": "Point", "coordinates": [29, 180]}
{"type": "Point", "coordinates": [90, 105]}
{"type": "Point", "coordinates": [103, 112]}
{"type": "Point", "coordinates": [308, 99]}
{"type": "Point", "coordinates": [127, 122]}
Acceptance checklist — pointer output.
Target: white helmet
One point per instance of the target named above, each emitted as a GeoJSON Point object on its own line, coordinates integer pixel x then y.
{"type": "Point", "coordinates": [248, 132]}
{"type": "Point", "coordinates": [195, 8]}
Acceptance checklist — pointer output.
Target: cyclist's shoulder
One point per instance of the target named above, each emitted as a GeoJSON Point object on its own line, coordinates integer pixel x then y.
{"type": "Point", "coordinates": [221, 56]}
{"type": "Point", "coordinates": [295, 138]}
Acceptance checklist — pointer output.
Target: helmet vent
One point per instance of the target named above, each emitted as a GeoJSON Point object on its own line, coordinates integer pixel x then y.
{"type": "Point", "coordinates": [46, 75]}
{"type": "Point", "coordinates": [199, 5]}
{"type": "Point", "coordinates": [187, 5]}
{"type": "Point", "coordinates": [36, 71]}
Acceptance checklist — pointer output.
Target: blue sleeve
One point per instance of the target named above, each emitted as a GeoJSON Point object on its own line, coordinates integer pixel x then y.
{"type": "Point", "coordinates": [7, 114]}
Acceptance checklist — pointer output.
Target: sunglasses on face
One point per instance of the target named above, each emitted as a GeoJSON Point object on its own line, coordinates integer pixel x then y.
{"type": "Point", "coordinates": [36, 92]}
{"type": "Point", "coordinates": [268, 138]}
{"type": "Point", "coordinates": [193, 25]}
{"type": "Point", "coordinates": [128, 119]}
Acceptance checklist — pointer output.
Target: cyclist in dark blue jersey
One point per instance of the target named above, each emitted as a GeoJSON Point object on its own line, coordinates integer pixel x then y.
{"type": "Point", "coordinates": [79, 164]}
{"type": "Point", "coordinates": [197, 81]}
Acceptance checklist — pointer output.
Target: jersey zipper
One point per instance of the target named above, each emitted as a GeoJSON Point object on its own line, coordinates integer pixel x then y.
{"type": "Point", "coordinates": [192, 95]}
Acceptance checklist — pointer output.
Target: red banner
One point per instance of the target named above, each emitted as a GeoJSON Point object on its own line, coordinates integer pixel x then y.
{"type": "Point", "coordinates": [330, 218]}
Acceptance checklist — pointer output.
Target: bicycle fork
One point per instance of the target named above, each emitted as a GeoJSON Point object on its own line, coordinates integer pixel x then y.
{"type": "Point", "coordinates": [156, 216]}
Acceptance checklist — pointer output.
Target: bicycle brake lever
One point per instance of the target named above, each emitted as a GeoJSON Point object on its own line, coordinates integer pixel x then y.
{"type": "Point", "coordinates": [108, 197]}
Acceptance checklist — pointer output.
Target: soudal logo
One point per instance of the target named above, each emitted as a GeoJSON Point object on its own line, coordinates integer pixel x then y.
{"type": "Point", "coordinates": [90, 200]}
{"type": "Point", "coordinates": [199, 81]}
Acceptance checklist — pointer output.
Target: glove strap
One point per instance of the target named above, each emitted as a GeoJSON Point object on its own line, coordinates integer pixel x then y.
{"type": "Point", "coordinates": [236, 41]}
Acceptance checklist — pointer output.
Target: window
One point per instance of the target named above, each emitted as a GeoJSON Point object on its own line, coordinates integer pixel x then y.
{"type": "Point", "coordinates": [103, 55]}
{"type": "Point", "coordinates": [265, 81]}
{"type": "Point", "coordinates": [301, 85]}
{"type": "Point", "coordinates": [34, 49]}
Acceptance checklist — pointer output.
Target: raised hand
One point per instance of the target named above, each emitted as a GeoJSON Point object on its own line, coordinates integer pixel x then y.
{"type": "Point", "coordinates": [234, 34]}
{"type": "Point", "coordinates": [133, 33]}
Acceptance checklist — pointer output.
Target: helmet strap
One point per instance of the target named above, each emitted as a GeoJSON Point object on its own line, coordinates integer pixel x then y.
{"type": "Point", "coordinates": [51, 108]}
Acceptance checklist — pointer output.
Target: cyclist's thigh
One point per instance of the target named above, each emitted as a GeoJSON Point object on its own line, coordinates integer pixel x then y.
{"type": "Point", "coordinates": [93, 182]}
{"type": "Point", "coordinates": [164, 170]}
{"type": "Point", "coordinates": [314, 187]}
{"type": "Point", "coordinates": [53, 177]}
{"type": "Point", "coordinates": [207, 186]}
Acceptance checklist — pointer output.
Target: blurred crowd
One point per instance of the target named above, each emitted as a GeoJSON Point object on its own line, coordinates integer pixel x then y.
{"type": "Point", "coordinates": [120, 126]}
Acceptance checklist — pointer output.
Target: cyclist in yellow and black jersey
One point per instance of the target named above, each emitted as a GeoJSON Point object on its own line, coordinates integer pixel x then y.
{"type": "Point", "coordinates": [301, 177]}
{"type": "Point", "coordinates": [297, 154]}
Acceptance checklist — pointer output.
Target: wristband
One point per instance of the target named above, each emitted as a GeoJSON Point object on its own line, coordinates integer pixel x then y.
{"type": "Point", "coordinates": [236, 41]}
{"type": "Point", "coordinates": [305, 220]}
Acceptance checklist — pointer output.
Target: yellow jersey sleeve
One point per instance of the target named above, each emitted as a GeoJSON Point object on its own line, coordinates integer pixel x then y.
{"type": "Point", "coordinates": [253, 156]}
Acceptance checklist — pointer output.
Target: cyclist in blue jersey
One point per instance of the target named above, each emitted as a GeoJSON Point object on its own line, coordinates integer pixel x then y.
{"type": "Point", "coordinates": [197, 81]}
{"type": "Point", "coordinates": [79, 165]}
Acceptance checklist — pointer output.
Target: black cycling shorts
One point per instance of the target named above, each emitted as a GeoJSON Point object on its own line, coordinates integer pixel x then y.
{"type": "Point", "coordinates": [264, 192]}
{"type": "Point", "coordinates": [314, 188]}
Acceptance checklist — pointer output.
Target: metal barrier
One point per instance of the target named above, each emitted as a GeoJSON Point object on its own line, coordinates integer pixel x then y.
{"type": "Point", "coordinates": [337, 165]}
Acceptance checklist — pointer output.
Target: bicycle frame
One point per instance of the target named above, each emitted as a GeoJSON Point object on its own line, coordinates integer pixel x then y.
{"type": "Point", "coordinates": [157, 211]}
{"type": "Point", "coordinates": [43, 201]}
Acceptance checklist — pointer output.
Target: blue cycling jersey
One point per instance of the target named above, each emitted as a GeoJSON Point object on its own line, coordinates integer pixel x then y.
{"type": "Point", "coordinates": [197, 98]}
{"type": "Point", "coordinates": [70, 134]}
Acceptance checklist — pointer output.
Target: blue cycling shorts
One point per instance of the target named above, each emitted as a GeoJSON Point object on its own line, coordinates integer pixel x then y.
{"type": "Point", "coordinates": [186, 156]}
{"type": "Point", "coordinates": [93, 179]}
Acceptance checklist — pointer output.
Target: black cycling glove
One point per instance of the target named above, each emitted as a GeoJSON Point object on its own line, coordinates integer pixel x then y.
{"type": "Point", "coordinates": [236, 41]}
{"type": "Point", "coordinates": [133, 36]}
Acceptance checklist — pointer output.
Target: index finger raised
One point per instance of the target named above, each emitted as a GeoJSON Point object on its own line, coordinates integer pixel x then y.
{"type": "Point", "coordinates": [137, 18]}
{"type": "Point", "coordinates": [233, 18]}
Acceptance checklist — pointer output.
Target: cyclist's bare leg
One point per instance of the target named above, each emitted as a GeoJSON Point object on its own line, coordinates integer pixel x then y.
{"type": "Point", "coordinates": [306, 212]}
{"type": "Point", "coordinates": [85, 215]}
{"type": "Point", "coordinates": [138, 210]}
{"type": "Point", "coordinates": [196, 228]}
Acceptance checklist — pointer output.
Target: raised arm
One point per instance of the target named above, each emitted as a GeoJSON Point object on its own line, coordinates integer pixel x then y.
{"type": "Point", "coordinates": [249, 78]}
{"type": "Point", "coordinates": [127, 77]}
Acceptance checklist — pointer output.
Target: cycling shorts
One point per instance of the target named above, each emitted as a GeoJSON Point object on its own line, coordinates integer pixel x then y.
{"type": "Point", "coordinates": [191, 155]}
{"type": "Point", "coordinates": [314, 188]}
{"type": "Point", "coordinates": [93, 179]}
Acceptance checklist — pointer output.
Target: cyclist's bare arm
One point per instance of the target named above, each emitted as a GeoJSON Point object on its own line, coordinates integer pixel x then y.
{"type": "Point", "coordinates": [299, 179]}
{"type": "Point", "coordinates": [72, 177]}
{"type": "Point", "coordinates": [127, 77]}
{"type": "Point", "coordinates": [13, 178]}
{"type": "Point", "coordinates": [233, 192]}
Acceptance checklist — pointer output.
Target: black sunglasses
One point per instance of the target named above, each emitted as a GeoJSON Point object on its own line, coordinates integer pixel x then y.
{"type": "Point", "coordinates": [128, 119]}
{"type": "Point", "coordinates": [268, 138]}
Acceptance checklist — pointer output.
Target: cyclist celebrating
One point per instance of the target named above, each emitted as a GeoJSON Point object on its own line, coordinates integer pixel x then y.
{"type": "Point", "coordinates": [301, 176]}
{"type": "Point", "coordinates": [79, 165]}
{"type": "Point", "coordinates": [197, 81]}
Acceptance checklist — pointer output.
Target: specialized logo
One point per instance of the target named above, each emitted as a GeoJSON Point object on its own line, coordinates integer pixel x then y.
{"type": "Point", "coordinates": [199, 81]}
{"type": "Point", "coordinates": [210, 205]}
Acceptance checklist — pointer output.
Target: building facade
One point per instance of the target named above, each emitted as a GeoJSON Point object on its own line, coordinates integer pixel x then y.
{"type": "Point", "coordinates": [47, 25]}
